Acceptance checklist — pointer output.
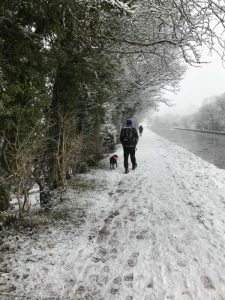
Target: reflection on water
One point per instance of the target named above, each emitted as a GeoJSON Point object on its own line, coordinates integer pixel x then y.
{"type": "Point", "coordinates": [208, 146]}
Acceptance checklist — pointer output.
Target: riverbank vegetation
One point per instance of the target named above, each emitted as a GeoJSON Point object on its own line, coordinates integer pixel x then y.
{"type": "Point", "coordinates": [71, 71]}
{"type": "Point", "coordinates": [209, 117]}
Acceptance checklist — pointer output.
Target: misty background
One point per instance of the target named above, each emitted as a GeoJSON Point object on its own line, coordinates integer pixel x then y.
{"type": "Point", "coordinates": [198, 85]}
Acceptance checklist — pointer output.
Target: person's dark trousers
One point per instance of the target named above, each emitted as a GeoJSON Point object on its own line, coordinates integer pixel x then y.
{"type": "Point", "coordinates": [126, 152]}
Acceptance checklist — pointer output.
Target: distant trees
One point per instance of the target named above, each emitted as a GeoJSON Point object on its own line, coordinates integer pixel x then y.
{"type": "Point", "coordinates": [168, 120]}
{"type": "Point", "coordinates": [210, 116]}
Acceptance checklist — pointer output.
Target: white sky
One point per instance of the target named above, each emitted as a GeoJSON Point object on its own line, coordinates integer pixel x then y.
{"type": "Point", "coordinates": [199, 83]}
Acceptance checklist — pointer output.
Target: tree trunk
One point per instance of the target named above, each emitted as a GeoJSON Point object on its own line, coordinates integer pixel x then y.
{"type": "Point", "coordinates": [4, 197]}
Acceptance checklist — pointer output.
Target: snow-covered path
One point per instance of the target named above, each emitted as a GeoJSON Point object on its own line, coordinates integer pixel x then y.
{"type": "Point", "coordinates": [155, 233]}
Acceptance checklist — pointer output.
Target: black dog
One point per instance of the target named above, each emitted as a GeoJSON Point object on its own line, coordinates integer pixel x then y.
{"type": "Point", "coordinates": [113, 161]}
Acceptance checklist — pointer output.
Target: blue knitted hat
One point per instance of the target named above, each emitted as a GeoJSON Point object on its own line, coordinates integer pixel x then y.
{"type": "Point", "coordinates": [129, 122]}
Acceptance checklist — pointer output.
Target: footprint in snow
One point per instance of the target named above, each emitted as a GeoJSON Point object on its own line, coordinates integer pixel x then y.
{"type": "Point", "coordinates": [132, 213]}
{"type": "Point", "coordinates": [101, 255]}
{"type": "Point", "coordinates": [115, 285]}
{"type": "Point", "coordinates": [150, 284]}
{"type": "Point", "coordinates": [105, 269]}
{"type": "Point", "coordinates": [133, 234]}
{"type": "Point", "coordinates": [114, 291]}
{"type": "Point", "coordinates": [128, 277]}
{"type": "Point", "coordinates": [113, 242]}
{"type": "Point", "coordinates": [111, 216]}
{"type": "Point", "coordinates": [101, 279]}
{"type": "Point", "coordinates": [122, 206]}
{"type": "Point", "coordinates": [134, 200]}
{"type": "Point", "coordinates": [113, 253]}
{"type": "Point", "coordinates": [128, 283]}
{"type": "Point", "coordinates": [121, 191]}
{"type": "Point", "coordinates": [144, 234]}
{"type": "Point", "coordinates": [117, 281]}
{"type": "Point", "coordinates": [132, 261]}
{"type": "Point", "coordinates": [207, 283]}
{"type": "Point", "coordinates": [110, 194]}
{"type": "Point", "coordinates": [182, 263]}
{"type": "Point", "coordinates": [118, 224]}
{"type": "Point", "coordinates": [102, 235]}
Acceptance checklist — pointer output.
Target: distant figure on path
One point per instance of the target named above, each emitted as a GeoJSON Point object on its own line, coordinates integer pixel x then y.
{"type": "Point", "coordinates": [140, 130]}
{"type": "Point", "coordinates": [129, 138]}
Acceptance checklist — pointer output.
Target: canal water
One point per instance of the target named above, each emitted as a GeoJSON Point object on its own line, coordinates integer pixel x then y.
{"type": "Point", "coordinates": [208, 146]}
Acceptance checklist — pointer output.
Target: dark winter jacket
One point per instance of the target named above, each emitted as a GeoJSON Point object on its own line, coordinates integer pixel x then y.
{"type": "Point", "coordinates": [129, 137]}
{"type": "Point", "coordinates": [140, 128]}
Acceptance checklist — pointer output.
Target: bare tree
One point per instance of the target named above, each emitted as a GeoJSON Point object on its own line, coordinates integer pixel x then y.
{"type": "Point", "coordinates": [19, 155]}
{"type": "Point", "coordinates": [207, 118]}
{"type": "Point", "coordinates": [180, 24]}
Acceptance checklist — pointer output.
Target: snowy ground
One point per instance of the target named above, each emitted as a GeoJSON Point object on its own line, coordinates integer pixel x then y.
{"type": "Point", "coordinates": [155, 233]}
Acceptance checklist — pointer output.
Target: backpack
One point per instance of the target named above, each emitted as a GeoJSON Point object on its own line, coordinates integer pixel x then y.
{"type": "Point", "coordinates": [127, 136]}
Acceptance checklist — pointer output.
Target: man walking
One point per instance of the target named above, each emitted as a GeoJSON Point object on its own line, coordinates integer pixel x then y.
{"type": "Point", "coordinates": [129, 139]}
{"type": "Point", "coordinates": [140, 128]}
